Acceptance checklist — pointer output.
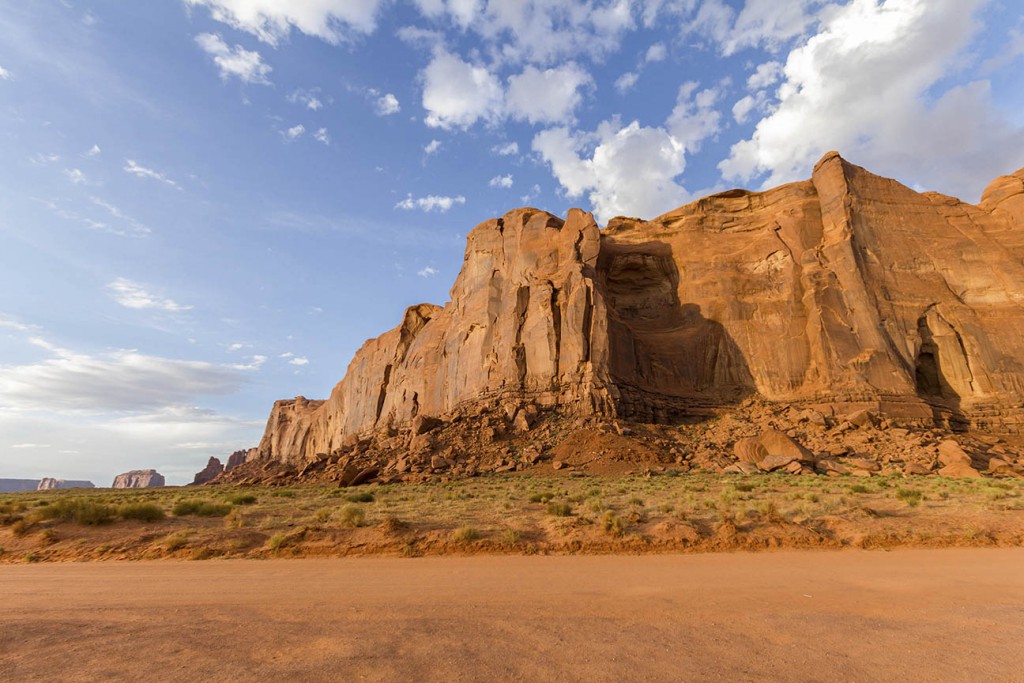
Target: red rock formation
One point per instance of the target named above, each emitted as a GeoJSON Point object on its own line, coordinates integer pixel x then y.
{"type": "Point", "coordinates": [841, 292]}
{"type": "Point", "coordinates": [138, 479]}
{"type": "Point", "coordinates": [212, 469]}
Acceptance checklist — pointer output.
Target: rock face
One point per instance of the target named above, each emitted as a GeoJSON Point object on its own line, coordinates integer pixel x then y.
{"type": "Point", "coordinates": [138, 479]}
{"type": "Point", "coordinates": [15, 485]}
{"type": "Point", "coordinates": [49, 483]}
{"type": "Point", "coordinates": [212, 469]}
{"type": "Point", "coordinates": [842, 293]}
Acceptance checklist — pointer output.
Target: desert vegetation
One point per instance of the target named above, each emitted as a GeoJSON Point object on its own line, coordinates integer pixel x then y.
{"type": "Point", "coordinates": [513, 514]}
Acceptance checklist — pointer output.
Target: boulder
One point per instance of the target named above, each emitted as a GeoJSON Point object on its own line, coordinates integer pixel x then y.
{"type": "Point", "coordinates": [777, 444]}
{"type": "Point", "coordinates": [750, 451]}
{"type": "Point", "coordinates": [960, 470]}
{"type": "Point", "coordinates": [951, 453]}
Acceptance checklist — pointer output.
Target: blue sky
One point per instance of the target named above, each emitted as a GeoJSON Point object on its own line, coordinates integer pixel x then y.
{"type": "Point", "coordinates": [210, 204]}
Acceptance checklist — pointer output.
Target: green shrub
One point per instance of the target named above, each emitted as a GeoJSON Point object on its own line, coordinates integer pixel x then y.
{"type": "Point", "coordinates": [613, 524]}
{"type": "Point", "coordinates": [743, 487]}
{"type": "Point", "coordinates": [276, 542]}
{"type": "Point", "coordinates": [80, 510]}
{"type": "Point", "coordinates": [559, 509]}
{"type": "Point", "coordinates": [859, 488]}
{"type": "Point", "coordinates": [351, 515]}
{"type": "Point", "coordinates": [283, 493]}
{"type": "Point", "coordinates": [541, 497]}
{"type": "Point", "coordinates": [200, 508]}
{"type": "Point", "coordinates": [361, 497]}
{"type": "Point", "coordinates": [910, 496]}
{"type": "Point", "coordinates": [175, 542]}
{"type": "Point", "coordinates": [143, 512]}
{"type": "Point", "coordinates": [242, 499]}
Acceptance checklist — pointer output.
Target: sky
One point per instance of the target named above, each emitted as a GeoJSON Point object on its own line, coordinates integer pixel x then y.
{"type": "Point", "coordinates": [208, 205]}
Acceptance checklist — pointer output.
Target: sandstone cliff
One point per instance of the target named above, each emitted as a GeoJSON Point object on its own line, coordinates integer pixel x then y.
{"type": "Point", "coordinates": [138, 479]}
{"type": "Point", "coordinates": [841, 292]}
{"type": "Point", "coordinates": [49, 484]}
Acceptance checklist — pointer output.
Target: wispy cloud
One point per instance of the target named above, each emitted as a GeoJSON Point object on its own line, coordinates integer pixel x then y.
{"type": "Point", "coordinates": [76, 176]}
{"type": "Point", "coordinates": [133, 295]}
{"type": "Point", "coordinates": [432, 147]}
{"type": "Point", "coordinates": [93, 151]}
{"type": "Point", "coordinates": [5, 75]}
{"type": "Point", "coordinates": [427, 272]}
{"type": "Point", "coordinates": [308, 98]}
{"type": "Point", "coordinates": [134, 227]}
{"type": "Point", "coordinates": [295, 132]}
{"type": "Point", "coordinates": [322, 136]}
{"type": "Point", "coordinates": [386, 105]}
{"type": "Point", "coordinates": [430, 203]}
{"type": "Point", "coordinates": [501, 181]}
{"type": "Point", "coordinates": [142, 172]}
{"type": "Point", "coordinates": [300, 360]}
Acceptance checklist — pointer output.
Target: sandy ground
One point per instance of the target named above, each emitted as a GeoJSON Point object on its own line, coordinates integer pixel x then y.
{"type": "Point", "coordinates": [935, 615]}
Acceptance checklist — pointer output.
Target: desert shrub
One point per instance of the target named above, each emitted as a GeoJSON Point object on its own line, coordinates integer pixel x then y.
{"type": "Point", "coordinates": [22, 527]}
{"type": "Point", "coordinates": [510, 536]}
{"type": "Point", "coordinates": [393, 524]}
{"type": "Point", "coordinates": [859, 488]}
{"type": "Point", "coordinates": [542, 497]}
{"type": "Point", "coordinates": [465, 534]}
{"type": "Point", "coordinates": [143, 512]}
{"type": "Point", "coordinates": [323, 514]}
{"type": "Point", "coordinates": [48, 536]}
{"type": "Point", "coordinates": [31, 557]}
{"type": "Point", "coordinates": [234, 519]}
{"type": "Point", "coordinates": [200, 508]}
{"type": "Point", "coordinates": [242, 499]}
{"type": "Point", "coordinates": [743, 486]}
{"type": "Point", "coordinates": [637, 501]}
{"type": "Point", "coordinates": [80, 510]}
{"type": "Point", "coordinates": [175, 542]}
{"type": "Point", "coordinates": [276, 542]}
{"type": "Point", "coordinates": [560, 509]}
{"type": "Point", "coordinates": [203, 553]}
{"type": "Point", "coordinates": [613, 524]}
{"type": "Point", "coordinates": [361, 497]}
{"type": "Point", "coordinates": [283, 493]}
{"type": "Point", "coordinates": [909, 496]}
{"type": "Point", "coordinates": [351, 515]}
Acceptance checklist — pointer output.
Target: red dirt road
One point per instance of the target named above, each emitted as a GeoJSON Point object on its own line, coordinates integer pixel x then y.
{"type": "Point", "coordinates": [934, 615]}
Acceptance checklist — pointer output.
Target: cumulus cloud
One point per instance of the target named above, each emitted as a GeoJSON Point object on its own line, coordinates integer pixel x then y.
{"type": "Point", "coordinates": [271, 20]}
{"type": "Point", "coordinates": [548, 96]}
{"type": "Point", "coordinates": [695, 117]}
{"type": "Point", "coordinates": [432, 147]}
{"type": "Point", "coordinates": [133, 295]}
{"type": "Point", "coordinates": [628, 170]}
{"type": "Point", "coordinates": [764, 75]}
{"type": "Point", "coordinates": [457, 94]}
{"type": "Point", "coordinates": [767, 24]}
{"type": "Point", "coordinates": [299, 360]}
{"type": "Point", "coordinates": [295, 132]}
{"type": "Point", "coordinates": [322, 136]}
{"type": "Point", "coordinates": [501, 181]}
{"type": "Point", "coordinates": [142, 172]}
{"type": "Point", "coordinates": [869, 84]}
{"type": "Point", "coordinates": [430, 203]}
{"type": "Point", "coordinates": [5, 75]}
{"type": "Point", "coordinates": [656, 53]}
{"type": "Point", "coordinates": [386, 105]}
{"type": "Point", "coordinates": [626, 81]}
{"type": "Point", "coordinates": [245, 65]}
{"type": "Point", "coordinates": [427, 272]}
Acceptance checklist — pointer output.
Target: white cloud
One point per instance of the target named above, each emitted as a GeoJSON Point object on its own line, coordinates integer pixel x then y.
{"type": "Point", "coordinates": [76, 176]}
{"type": "Point", "coordinates": [246, 65]}
{"type": "Point", "coordinates": [142, 172]}
{"type": "Point", "coordinates": [430, 203]}
{"type": "Point", "coordinates": [117, 381]}
{"type": "Point", "coordinates": [308, 98]}
{"type": "Point", "coordinates": [300, 360]}
{"type": "Point", "coordinates": [767, 24]}
{"type": "Point", "coordinates": [765, 75]}
{"type": "Point", "coordinates": [427, 272]}
{"type": "Point", "coordinates": [538, 31]}
{"type": "Point", "coordinates": [432, 147]}
{"type": "Point", "coordinates": [626, 81]}
{"type": "Point", "coordinates": [627, 170]}
{"type": "Point", "coordinates": [531, 195]}
{"type": "Point", "coordinates": [272, 20]}
{"type": "Point", "coordinates": [457, 94]}
{"type": "Point", "coordinates": [656, 53]}
{"type": "Point", "coordinates": [869, 85]}
{"type": "Point", "coordinates": [286, 354]}
{"type": "Point", "coordinates": [255, 363]}
{"type": "Point", "coordinates": [30, 445]}
{"type": "Point", "coordinates": [295, 132]}
{"type": "Point", "coordinates": [695, 117]}
{"type": "Point", "coordinates": [501, 181]}
{"type": "Point", "coordinates": [40, 159]}
{"type": "Point", "coordinates": [130, 226]}
{"type": "Point", "coordinates": [386, 105]}
{"type": "Point", "coordinates": [742, 109]}
{"type": "Point", "coordinates": [548, 96]}
{"type": "Point", "coordinates": [133, 295]}
{"type": "Point", "coordinates": [322, 136]}
{"type": "Point", "coordinates": [93, 151]}
{"type": "Point", "coordinates": [506, 150]}
{"type": "Point", "coordinates": [5, 75]}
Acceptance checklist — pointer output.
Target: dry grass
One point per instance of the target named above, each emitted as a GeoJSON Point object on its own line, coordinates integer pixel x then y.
{"type": "Point", "coordinates": [514, 514]}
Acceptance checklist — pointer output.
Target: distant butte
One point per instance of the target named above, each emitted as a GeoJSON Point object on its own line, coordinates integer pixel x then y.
{"type": "Point", "coordinates": [843, 303]}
